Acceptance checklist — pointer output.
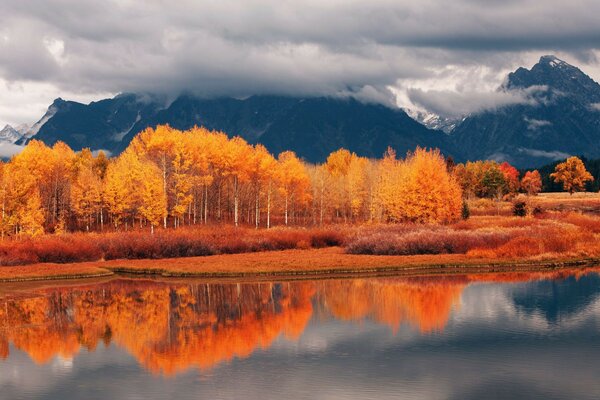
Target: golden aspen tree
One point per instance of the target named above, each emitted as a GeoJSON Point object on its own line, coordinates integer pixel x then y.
{"type": "Point", "coordinates": [572, 174]}
{"type": "Point", "coordinates": [357, 185]}
{"type": "Point", "coordinates": [371, 178]}
{"type": "Point", "coordinates": [429, 193]}
{"type": "Point", "coordinates": [122, 189]}
{"type": "Point", "coordinates": [34, 166]}
{"type": "Point", "coordinates": [100, 167]}
{"type": "Point", "coordinates": [182, 184]}
{"type": "Point", "coordinates": [321, 186]}
{"type": "Point", "coordinates": [86, 189]}
{"type": "Point", "coordinates": [217, 144]}
{"type": "Point", "coordinates": [32, 216]}
{"type": "Point", "coordinates": [157, 144]}
{"type": "Point", "coordinates": [61, 171]}
{"type": "Point", "coordinates": [260, 171]}
{"type": "Point", "coordinates": [235, 162]}
{"type": "Point", "coordinates": [292, 179]}
{"type": "Point", "coordinates": [199, 144]}
{"type": "Point", "coordinates": [390, 174]}
{"type": "Point", "coordinates": [154, 205]}
{"type": "Point", "coordinates": [3, 199]}
{"type": "Point", "coordinates": [337, 164]}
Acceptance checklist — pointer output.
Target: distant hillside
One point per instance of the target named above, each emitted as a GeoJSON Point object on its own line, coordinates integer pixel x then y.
{"type": "Point", "coordinates": [557, 116]}
{"type": "Point", "coordinates": [312, 127]}
{"type": "Point", "coordinates": [560, 117]}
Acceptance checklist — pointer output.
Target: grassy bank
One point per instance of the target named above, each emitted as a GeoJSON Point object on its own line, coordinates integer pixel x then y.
{"type": "Point", "coordinates": [495, 237]}
{"type": "Point", "coordinates": [486, 242]}
{"type": "Point", "coordinates": [333, 261]}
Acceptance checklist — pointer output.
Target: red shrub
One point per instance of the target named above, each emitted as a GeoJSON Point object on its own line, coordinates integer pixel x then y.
{"type": "Point", "coordinates": [185, 242]}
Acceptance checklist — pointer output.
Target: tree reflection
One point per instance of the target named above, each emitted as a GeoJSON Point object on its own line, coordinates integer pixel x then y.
{"type": "Point", "coordinates": [171, 327]}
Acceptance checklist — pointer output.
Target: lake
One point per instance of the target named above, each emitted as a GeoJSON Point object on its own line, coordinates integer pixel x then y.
{"type": "Point", "coordinates": [492, 336]}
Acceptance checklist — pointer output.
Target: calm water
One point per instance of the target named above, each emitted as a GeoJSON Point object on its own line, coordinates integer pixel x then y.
{"type": "Point", "coordinates": [514, 336]}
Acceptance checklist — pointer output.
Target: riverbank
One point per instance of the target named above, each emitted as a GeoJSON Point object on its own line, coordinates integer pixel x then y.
{"type": "Point", "coordinates": [292, 264]}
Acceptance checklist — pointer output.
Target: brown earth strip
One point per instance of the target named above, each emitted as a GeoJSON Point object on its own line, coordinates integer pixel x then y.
{"type": "Point", "coordinates": [291, 264]}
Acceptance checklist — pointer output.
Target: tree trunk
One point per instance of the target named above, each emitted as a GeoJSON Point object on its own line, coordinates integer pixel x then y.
{"type": "Point", "coordinates": [286, 209]}
{"type": "Point", "coordinates": [235, 200]}
{"type": "Point", "coordinates": [205, 204]}
{"type": "Point", "coordinates": [269, 207]}
{"type": "Point", "coordinates": [164, 165]}
{"type": "Point", "coordinates": [257, 210]}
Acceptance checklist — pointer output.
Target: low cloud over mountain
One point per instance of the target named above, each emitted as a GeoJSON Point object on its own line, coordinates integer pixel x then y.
{"type": "Point", "coordinates": [87, 50]}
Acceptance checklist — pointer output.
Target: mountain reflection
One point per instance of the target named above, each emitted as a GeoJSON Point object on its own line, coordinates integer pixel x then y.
{"type": "Point", "coordinates": [171, 327]}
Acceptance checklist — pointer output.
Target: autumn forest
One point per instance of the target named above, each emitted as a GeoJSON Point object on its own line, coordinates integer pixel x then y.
{"type": "Point", "coordinates": [172, 178]}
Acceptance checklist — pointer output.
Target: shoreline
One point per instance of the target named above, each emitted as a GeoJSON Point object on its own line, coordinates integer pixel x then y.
{"type": "Point", "coordinates": [323, 263]}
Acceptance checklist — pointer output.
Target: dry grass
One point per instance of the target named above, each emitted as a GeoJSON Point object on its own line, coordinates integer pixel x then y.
{"type": "Point", "coordinates": [580, 202]}
{"type": "Point", "coordinates": [480, 207]}
{"type": "Point", "coordinates": [224, 249]}
{"type": "Point", "coordinates": [424, 240]}
{"type": "Point", "coordinates": [289, 263]}
{"type": "Point", "coordinates": [491, 237]}
{"type": "Point", "coordinates": [188, 242]}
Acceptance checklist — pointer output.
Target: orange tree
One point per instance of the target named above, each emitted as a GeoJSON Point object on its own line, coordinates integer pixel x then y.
{"type": "Point", "coordinates": [572, 174]}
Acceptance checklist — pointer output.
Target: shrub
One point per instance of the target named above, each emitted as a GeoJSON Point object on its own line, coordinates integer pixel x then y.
{"type": "Point", "coordinates": [184, 242]}
{"type": "Point", "coordinates": [466, 212]}
{"type": "Point", "coordinates": [429, 240]}
{"type": "Point", "coordinates": [520, 208]}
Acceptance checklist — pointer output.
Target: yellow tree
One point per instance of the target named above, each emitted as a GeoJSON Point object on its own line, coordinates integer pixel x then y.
{"type": "Point", "coordinates": [100, 167]}
{"type": "Point", "coordinates": [154, 204]}
{"type": "Point", "coordinates": [337, 165]}
{"type": "Point", "coordinates": [34, 166]}
{"type": "Point", "coordinates": [32, 216]}
{"type": "Point", "coordinates": [260, 172]}
{"type": "Point", "coordinates": [158, 144]}
{"type": "Point", "coordinates": [86, 190]}
{"type": "Point", "coordinates": [293, 180]}
{"type": "Point", "coordinates": [572, 174]}
{"type": "Point", "coordinates": [321, 186]}
{"type": "Point", "coordinates": [61, 172]}
{"type": "Point", "coordinates": [429, 194]}
{"type": "Point", "coordinates": [199, 143]}
{"type": "Point", "coordinates": [216, 147]}
{"type": "Point", "coordinates": [122, 190]}
{"type": "Point", "coordinates": [390, 174]}
{"type": "Point", "coordinates": [357, 184]}
{"type": "Point", "coordinates": [235, 161]}
{"type": "Point", "coordinates": [531, 182]}
{"type": "Point", "coordinates": [3, 199]}
{"type": "Point", "coordinates": [181, 177]}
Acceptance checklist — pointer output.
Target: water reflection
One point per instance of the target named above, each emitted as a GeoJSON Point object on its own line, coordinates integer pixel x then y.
{"type": "Point", "coordinates": [172, 327]}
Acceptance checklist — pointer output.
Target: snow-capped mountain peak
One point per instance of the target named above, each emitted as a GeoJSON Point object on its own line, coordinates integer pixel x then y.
{"type": "Point", "coordinates": [8, 134]}
{"type": "Point", "coordinates": [432, 120]}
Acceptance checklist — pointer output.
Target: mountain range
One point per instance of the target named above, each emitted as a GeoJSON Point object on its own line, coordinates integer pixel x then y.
{"type": "Point", "coordinates": [556, 113]}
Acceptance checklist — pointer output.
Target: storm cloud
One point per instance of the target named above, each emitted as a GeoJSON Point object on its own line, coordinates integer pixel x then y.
{"type": "Point", "coordinates": [86, 49]}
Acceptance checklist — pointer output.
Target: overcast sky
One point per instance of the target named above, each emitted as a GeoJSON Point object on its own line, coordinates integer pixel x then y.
{"type": "Point", "coordinates": [434, 53]}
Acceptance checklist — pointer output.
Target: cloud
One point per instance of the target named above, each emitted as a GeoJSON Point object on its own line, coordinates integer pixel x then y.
{"type": "Point", "coordinates": [552, 155]}
{"type": "Point", "coordinates": [535, 124]}
{"type": "Point", "coordinates": [8, 150]}
{"type": "Point", "coordinates": [459, 103]}
{"type": "Point", "coordinates": [317, 47]}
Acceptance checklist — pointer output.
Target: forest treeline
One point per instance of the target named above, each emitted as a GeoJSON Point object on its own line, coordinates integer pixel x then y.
{"type": "Point", "coordinates": [171, 178]}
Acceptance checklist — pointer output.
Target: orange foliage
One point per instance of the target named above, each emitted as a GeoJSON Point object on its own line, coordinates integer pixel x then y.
{"type": "Point", "coordinates": [171, 327]}
{"type": "Point", "coordinates": [532, 182]}
{"type": "Point", "coordinates": [178, 178]}
{"type": "Point", "coordinates": [424, 303]}
{"type": "Point", "coordinates": [572, 174]}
